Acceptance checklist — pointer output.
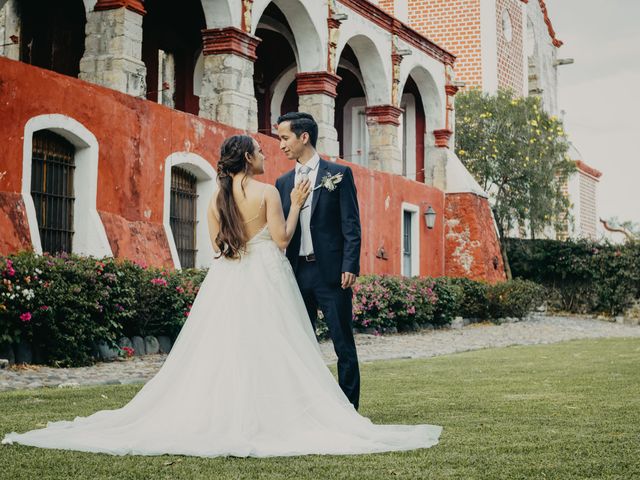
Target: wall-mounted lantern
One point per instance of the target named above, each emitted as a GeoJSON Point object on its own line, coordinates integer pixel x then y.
{"type": "Point", "coordinates": [430, 217]}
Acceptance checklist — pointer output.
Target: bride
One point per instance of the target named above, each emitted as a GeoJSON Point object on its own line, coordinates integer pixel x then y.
{"type": "Point", "coordinates": [245, 376]}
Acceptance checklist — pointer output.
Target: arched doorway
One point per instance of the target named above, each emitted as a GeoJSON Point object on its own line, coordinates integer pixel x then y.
{"type": "Point", "coordinates": [274, 69]}
{"type": "Point", "coordinates": [171, 46]}
{"type": "Point", "coordinates": [351, 102]}
{"type": "Point", "coordinates": [364, 84]}
{"type": "Point", "coordinates": [52, 35]}
{"type": "Point", "coordinates": [411, 132]}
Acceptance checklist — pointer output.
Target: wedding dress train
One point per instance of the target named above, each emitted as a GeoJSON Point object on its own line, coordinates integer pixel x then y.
{"type": "Point", "coordinates": [244, 378]}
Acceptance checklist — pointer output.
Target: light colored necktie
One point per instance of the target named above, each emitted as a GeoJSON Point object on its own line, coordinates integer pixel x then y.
{"type": "Point", "coordinates": [304, 172]}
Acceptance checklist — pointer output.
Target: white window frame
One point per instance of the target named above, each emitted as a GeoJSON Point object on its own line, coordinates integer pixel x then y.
{"type": "Point", "coordinates": [206, 187]}
{"type": "Point", "coordinates": [415, 238]}
{"type": "Point", "coordinates": [89, 236]}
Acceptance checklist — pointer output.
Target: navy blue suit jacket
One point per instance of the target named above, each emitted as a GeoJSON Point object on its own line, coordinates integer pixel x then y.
{"type": "Point", "coordinates": [335, 223]}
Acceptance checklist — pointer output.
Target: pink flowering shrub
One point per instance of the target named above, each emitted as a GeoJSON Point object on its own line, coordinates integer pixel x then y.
{"type": "Point", "coordinates": [63, 305]}
{"type": "Point", "coordinates": [384, 302]}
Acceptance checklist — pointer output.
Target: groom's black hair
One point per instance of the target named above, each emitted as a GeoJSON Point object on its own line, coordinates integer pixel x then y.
{"type": "Point", "coordinates": [301, 122]}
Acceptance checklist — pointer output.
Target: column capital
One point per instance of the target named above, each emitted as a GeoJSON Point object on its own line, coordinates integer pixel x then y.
{"type": "Point", "coordinates": [323, 83]}
{"type": "Point", "coordinates": [133, 5]}
{"type": "Point", "coordinates": [442, 137]}
{"type": "Point", "coordinates": [451, 90]}
{"type": "Point", "coordinates": [384, 114]}
{"type": "Point", "coordinates": [333, 23]}
{"type": "Point", "coordinates": [229, 40]}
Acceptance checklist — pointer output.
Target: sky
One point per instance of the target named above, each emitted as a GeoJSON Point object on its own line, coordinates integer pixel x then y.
{"type": "Point", "coordinates": [600, 94]}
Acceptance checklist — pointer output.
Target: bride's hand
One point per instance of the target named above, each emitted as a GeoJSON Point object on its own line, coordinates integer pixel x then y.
{"type": "Point", "coordinates": [300, 193]}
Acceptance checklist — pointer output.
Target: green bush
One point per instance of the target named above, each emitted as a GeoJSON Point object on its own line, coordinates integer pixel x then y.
{"type": "Point", "coordinates": [63, 305]}
{"type": "Point", "coordinates": [382, 302]}
{"type": "Point", "coordinates": [472, 300]}
{"type": "Point", "coordinates": [582, 276]}
{"type": "Point", "coordinates": [514, 299]}
{"type": "Point", "coordinates": [448, 294]}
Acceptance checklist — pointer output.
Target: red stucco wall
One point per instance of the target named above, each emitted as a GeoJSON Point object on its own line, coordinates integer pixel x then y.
{"type": "Point", "coordinates": [472, 248]}
{"type": "Point", "coordinates": [135, 137]}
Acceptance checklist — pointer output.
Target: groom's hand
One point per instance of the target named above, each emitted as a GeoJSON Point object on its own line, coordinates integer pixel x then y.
{"type": "Point", "coordinates": [348, 279]}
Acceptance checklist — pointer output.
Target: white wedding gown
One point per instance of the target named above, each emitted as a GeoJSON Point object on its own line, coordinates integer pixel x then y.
{"type": "Point", "coordinates": [244, 378]}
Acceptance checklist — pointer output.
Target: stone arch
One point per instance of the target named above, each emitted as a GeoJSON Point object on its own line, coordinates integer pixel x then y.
{"type": "Point", "coordinates": [431, 98]}
{"type": "Point", "coordinates": [88, 5]}
{"type": "Point", "coordinates": [90, 237]}
{"type": "Point", "coordinates": [206, 175]}
{"type": "Point", "coordinates": [220, 13]}
{"type": "Point", "coordinates": [374, 74]}
{"type": "Point", "coordinates": [279, 90]}
{"type": "Point", "coordinates": [307, 39]}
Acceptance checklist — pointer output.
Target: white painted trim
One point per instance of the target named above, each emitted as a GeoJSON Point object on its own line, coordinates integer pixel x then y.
{"type": "Point", "coordinates": [307, 21]}
{"type": "Point", "coordinates": [220, 13]}
{"type": "Point", "coordinates": [489, 45]}
{"type": "Point", "coordinates": [206, 175]}
{"type": "Point", "coordinates": [198, 75]}
{"type": "Point", "coordinates": [432, 94]}
{"type": "Point", "coordinates": [375, 70]}
{"type": "Point", "coordinates": [352, 123]}
{"type": "Point", "coordinates": [401, 10]}
{"type": "Point", "coordinates": [415, 238]}
{"type": "Point", "coordinates": [90, 237]}
{"type": "Point", "coordinates": [280, 87]}
{"type": "Point", "coordinates": [408, 104]}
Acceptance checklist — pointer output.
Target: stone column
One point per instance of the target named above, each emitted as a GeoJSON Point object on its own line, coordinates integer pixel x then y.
{"type": "Point", "coordinates": [384, 152]}
{"type": "Point", "coordinates": [317, 96]}
{"type": "Point", "coordinates": [113, 47]}
{"type": "Point", "coordinates": [439, 155]}
{"type": "Point", "coordinates": [437, 160]}
{"type": "Point", "coordinates": [10, 31]}
{"type": "Point", "coordinates": [227, 94]}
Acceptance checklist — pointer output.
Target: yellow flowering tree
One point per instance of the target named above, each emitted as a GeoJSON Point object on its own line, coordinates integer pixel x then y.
{"type": "Point", "coordinates": [518, 154]}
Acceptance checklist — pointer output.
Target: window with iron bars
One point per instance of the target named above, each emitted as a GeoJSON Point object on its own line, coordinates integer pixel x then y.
{"type": "Point", "coordinates": [183, 215]}
{"type": "Point", "coordinates": [52, 171]}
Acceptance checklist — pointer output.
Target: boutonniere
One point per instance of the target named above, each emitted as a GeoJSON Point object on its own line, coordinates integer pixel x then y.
{"type": "Point", "coordinates": [329, 182]}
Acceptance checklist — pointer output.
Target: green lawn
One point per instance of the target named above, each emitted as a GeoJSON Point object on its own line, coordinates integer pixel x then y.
{"type": "Point", "coordinates": [562, 411]}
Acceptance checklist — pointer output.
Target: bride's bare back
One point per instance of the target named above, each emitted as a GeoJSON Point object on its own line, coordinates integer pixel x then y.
{"type": "Point", "coordinates": [252, 205]}
{"type": "Point", "coordinates": [259, 206]}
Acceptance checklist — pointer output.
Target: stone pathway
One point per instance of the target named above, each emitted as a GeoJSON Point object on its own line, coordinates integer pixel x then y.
{"type": "Point", "coordinates": [537, 329]}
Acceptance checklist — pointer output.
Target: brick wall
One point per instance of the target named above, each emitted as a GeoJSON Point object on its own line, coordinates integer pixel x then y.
{"type": "Point", "coordinates": [387, 5]}
{"type": "Point", "coordinates": [455, 26]}
{"type": "Point", "coordinates": [510, 53]}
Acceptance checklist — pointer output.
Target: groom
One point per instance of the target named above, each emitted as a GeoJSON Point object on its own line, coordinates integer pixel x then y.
{"type": "Point", "coordinates": [325, 249]}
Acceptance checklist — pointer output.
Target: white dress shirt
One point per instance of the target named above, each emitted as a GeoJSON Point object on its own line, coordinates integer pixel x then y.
{"type": "Point", "coordinates": [306, 244]}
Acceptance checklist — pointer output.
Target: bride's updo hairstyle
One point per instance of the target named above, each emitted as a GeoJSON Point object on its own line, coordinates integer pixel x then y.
{"type": "Point", "coordinates": [232, 238]}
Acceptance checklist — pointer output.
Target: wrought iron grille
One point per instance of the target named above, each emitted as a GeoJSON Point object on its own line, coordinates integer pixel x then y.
{"type": "Point", "coordinates": [52, 169]}
{"type": "Point", "coordinates": [183, 219]}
